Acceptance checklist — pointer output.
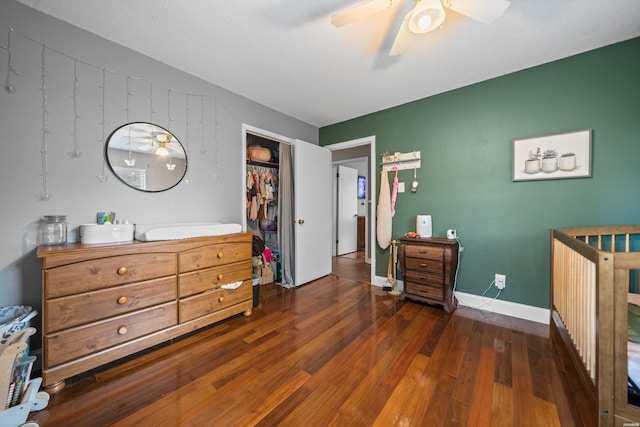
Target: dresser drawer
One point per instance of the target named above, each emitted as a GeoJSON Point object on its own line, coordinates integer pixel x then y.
{"type": "Point", "coordinates": [204, 280]}
{"type": "Point", "coordinates": [213, 300]}
{"type": "Point", "coordinates": [213, 255]}
{"type": "Point", "coordinates": [104, 273]}
{"type": "Point", "coordinates": [424, 277]}
{"type": "Point", "coordinates": [428, 252]}
{"type": "Point", "coordinates": [425, 265]}
{"type": "Point", "coordinates": [431, 292]}
{"type": "Point", "coordinates": [66, 312]}
{"type": "Point", "coordinates": [83, 340]}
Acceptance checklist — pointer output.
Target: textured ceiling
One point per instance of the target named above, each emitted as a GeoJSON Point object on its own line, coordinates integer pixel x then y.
{"type": "Point", "coordinates": [285, 54]}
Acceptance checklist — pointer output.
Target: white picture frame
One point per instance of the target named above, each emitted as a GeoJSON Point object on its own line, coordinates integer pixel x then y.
{"type": "Point", "coordinates": [557, 156]}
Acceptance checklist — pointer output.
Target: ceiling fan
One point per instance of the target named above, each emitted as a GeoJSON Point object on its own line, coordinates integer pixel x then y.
{"type": "Point", "coordinates": [426, 16]}
{"type": "Point", "coordinates": [162, 144]}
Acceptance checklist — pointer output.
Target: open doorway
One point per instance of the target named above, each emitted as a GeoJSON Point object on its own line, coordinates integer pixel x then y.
{"type": "Point", "coordinates": [358, 154]}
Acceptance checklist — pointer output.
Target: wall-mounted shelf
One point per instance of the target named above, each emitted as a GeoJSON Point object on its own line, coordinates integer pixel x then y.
{"type": "Point", "coordinates": [401, 161]}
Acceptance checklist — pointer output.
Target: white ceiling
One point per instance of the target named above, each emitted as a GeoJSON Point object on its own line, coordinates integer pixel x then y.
{"type": "Point", "coordinates": [285, 54]}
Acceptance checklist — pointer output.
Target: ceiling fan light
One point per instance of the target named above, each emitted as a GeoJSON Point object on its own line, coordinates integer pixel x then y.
{"type": "Point", "coordinates": [427, 16]}
{"type": "Point", "coordinates": [162, 151]}
{"type": "Point", "coordinates": [424, 21]}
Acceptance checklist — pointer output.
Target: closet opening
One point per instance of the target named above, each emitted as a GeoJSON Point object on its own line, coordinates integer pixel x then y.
{"type": "Point", "coordinates": [262, 193]}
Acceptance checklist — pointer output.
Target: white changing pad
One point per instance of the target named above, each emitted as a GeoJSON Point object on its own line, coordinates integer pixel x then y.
{"type": "Point", "coordinates": [174, 231]}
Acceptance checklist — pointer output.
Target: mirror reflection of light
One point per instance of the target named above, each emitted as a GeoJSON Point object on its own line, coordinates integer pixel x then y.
{"type": "Point", "coordinates": [171, 166]}
{"type": "Point", "coordinates": [130, 162]}
{"type": "Point", "coordinates": [162, 151]}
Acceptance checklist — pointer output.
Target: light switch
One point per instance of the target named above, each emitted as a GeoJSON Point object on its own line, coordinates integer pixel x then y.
{"type": "Point", "coordinates": [401, 187]}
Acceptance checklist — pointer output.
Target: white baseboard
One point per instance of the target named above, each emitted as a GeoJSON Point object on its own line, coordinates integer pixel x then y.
{"type": "Point", "coordinates": [380, 281]}
{"type": "Point", "coordinates": [508, 308]}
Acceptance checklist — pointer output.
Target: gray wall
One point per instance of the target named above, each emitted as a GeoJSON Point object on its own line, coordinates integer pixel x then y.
{"type": "Point", "coordinates": [215, 187]}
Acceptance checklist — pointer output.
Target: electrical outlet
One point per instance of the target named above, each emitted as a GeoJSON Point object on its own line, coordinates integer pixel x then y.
{"type": "Point", "coordinates": [500, 281]}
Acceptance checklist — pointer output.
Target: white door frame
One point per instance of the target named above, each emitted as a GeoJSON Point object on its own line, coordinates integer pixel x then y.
{"type": "Point", "coordinates": [373, 179]}
{"type": "Point", "coordinates": [347, 162]}
{"type": "Point", "coordinates": [345, 198]}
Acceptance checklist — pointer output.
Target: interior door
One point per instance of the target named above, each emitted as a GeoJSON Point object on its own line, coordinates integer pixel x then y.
{"type": "Point", "coordinates": [312, 206]}
{"type": "Point", "coordinates": [347, 217]}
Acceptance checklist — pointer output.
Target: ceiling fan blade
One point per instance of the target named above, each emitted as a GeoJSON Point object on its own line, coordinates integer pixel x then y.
{"type": "Point", "coordinates": [403, 38]}
{"type": "Point", "coordinates": [485, 11]}
{"type": "Point", "coordinates": [361, 11]}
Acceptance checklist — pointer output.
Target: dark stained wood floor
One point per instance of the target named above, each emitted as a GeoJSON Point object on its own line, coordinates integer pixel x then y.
{"type": "Point", "coordinates": [340, 352]}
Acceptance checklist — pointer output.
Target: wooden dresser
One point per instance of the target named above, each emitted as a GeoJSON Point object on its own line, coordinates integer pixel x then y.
{"type": "Point", "coordinates": [105, 302]}
{"type": "Point", "coordinates": [428, 267]}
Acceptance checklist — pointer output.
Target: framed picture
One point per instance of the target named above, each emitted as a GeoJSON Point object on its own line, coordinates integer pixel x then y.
{"type": "Point", "coordinates": [559, 156]}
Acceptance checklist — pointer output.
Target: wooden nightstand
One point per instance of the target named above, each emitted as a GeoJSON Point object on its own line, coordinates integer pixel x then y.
{"type": "Point", "coordinates": [429, 270]}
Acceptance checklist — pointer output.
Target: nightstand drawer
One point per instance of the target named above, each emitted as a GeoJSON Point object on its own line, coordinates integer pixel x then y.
{"type": "Point", "coordinates": [424, 277]}
{"type": "Point", "coordinates": [425, 265]}
{"type": "Point", "coordinates": [431, 292]}
{"type": "Point", "coordinates": [428, 252]}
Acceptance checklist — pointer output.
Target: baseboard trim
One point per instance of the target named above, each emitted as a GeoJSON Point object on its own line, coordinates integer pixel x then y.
{"type": "Point", "coordinates": [508, 308]}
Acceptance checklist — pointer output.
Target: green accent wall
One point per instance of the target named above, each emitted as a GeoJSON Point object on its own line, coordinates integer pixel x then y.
{"type": "Point", "coordinates": [465, 137]}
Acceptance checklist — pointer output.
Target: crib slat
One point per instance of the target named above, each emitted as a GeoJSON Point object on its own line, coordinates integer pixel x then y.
{"type": "Point", "coordinates": [574, 299]}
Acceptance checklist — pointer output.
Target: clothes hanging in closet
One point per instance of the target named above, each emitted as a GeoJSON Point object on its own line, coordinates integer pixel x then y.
{"type": "Point", "coordinates": [262, 187]}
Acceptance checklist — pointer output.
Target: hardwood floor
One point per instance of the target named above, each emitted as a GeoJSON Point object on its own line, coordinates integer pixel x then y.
{"type": "Point", "coordinates": [337, 351]}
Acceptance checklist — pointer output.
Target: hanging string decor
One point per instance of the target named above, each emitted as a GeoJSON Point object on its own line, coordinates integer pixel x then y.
{"type": "Point", "coordinates": [169, 118]}
{"type": "Point", "coordinates": [150, 96]}
{"type": "Point", "coordinates": [201, 121]}
{"type": "Point", "coordinates": [44, 195]}
{"type": "Point", "coordinates": [186, 115]}
{"type": "Point", "coordinates": [11, 71]}
{"type": "Point", "coordinates": [216, 164]}
{"type": "Point", "coordinates": [102, 177]}
{"type": "Point", "coordinates": [102, 128]}
{"type": "Point", "coordinates": [75, 154]}
{"type": "Point", "coordinates": [187, 180]}
{"type": "Point", "coordinates": [130, 161]}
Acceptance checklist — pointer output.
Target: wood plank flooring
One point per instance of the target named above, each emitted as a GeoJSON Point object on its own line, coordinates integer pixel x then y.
{"type": "Point", "coordinates": [335, 352]}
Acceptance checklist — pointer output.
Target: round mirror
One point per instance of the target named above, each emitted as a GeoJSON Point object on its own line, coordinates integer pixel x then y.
{"type": "Point", "coordinates": [146, 157]}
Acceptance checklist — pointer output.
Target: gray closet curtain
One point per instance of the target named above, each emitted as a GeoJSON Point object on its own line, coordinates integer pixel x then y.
{"type": "Point", "coordinates": [286, 242]}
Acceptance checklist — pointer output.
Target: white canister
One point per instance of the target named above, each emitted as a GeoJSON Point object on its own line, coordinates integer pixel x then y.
{"type": "Point", "coordinates": [423, 225]}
